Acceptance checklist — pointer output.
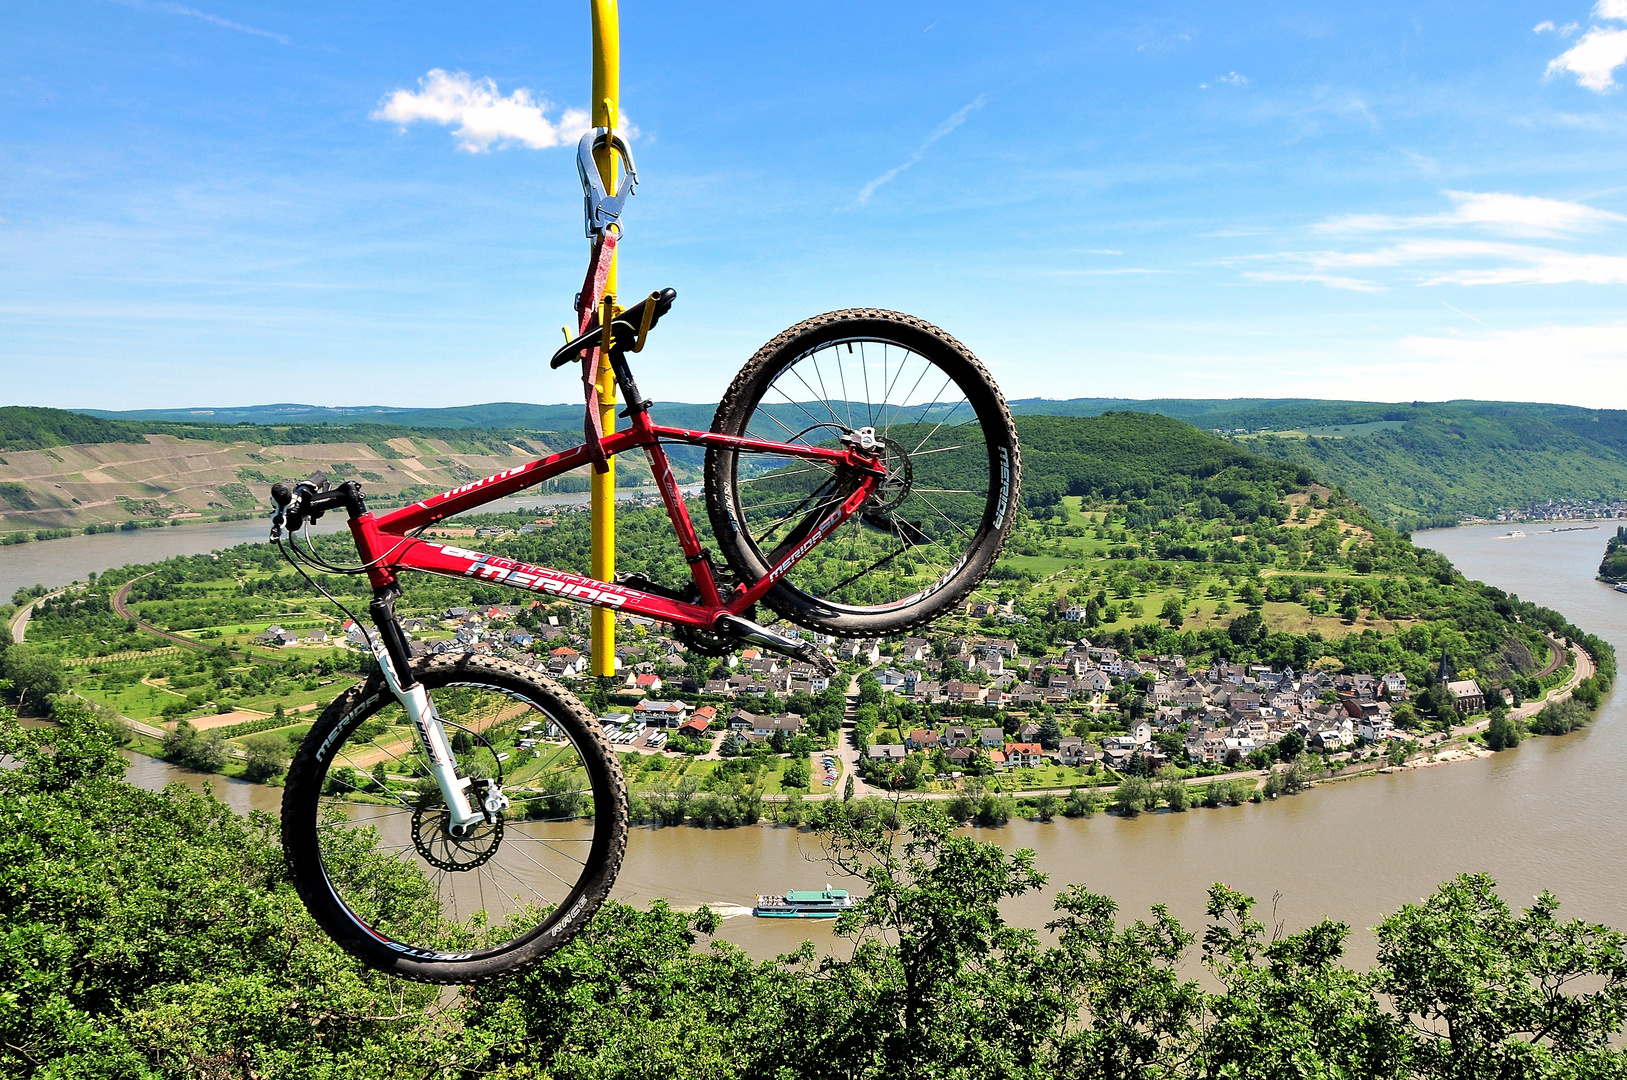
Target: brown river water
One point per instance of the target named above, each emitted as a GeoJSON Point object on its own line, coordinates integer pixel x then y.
{"type": "Point", "coordinates": [1547, 815]}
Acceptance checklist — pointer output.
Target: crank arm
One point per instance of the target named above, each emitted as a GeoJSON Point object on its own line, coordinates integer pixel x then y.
{"type": "Point", "coordinates": [746, 630]}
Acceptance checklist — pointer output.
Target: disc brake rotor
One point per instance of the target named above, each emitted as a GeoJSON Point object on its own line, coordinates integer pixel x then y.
{"type": "Point", "coordinates": [444, 851]}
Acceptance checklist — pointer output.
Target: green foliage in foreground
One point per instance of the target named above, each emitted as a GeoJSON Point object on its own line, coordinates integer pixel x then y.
{"type": "Point", "coordinates": [156, 935]}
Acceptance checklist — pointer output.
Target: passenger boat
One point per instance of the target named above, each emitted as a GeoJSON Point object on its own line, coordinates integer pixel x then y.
{"type": "Point", "coordinates": [1619, 588]}
{"type": "Point", "coordinates": [809, 904]}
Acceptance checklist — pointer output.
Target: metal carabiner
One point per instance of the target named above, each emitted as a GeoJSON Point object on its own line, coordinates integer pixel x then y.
{"type": "Point", "coordinates": [601, 210]}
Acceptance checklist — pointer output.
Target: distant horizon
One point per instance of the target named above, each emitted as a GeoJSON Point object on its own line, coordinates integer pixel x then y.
{"type": "Point", "coordinates": [203, 410]}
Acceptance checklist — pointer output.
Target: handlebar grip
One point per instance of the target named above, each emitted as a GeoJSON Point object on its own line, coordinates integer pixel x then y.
{"type": "Point", "coordinates": [281, 493]}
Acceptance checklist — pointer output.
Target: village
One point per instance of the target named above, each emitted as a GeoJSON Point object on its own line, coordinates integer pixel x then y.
{"type": "Point", "coordinates": [961, 703]}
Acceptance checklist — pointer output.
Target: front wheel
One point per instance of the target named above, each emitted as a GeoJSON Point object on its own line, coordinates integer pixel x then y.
{"type": "Point", "coordinates": [366, 835]}
{"type": "Point", "coordinates": [928, 534]}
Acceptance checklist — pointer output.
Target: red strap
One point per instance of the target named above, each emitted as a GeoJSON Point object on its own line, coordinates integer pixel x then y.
{"type": "Point", "coordinates": [587, 302]}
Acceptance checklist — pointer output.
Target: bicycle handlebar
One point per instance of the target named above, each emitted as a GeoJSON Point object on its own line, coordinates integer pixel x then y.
{"type": "Point", "coordinates": [308, 500]}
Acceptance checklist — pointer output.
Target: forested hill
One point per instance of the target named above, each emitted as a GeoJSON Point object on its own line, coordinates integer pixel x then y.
{"type": "Point", "coordinates": [1134, 455]}
{"type": "Point", "coordinates": [24, 428]}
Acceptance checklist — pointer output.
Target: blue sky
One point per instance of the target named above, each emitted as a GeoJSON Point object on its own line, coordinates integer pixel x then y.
{"type": "Point", "coordinates": [233, 203]}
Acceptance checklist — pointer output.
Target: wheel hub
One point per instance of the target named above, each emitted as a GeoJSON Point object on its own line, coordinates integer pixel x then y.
{"type": "Point", "coordinates": [895, 488]}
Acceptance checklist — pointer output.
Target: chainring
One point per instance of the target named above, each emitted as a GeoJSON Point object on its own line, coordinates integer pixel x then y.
{"type": "Point", "coordinates": [709, 642]}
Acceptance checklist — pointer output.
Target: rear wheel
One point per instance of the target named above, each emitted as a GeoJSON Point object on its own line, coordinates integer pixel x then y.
{"type": "Point", "coordinates": [928, 534]}
{"type": "Point", "coordinates": [365, 829]}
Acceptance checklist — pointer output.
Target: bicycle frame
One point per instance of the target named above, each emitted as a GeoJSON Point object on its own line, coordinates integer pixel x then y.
{"type": "Point", "coordinates": [386, 549]}
{"type": "Point", "coordinates": [384, 544]}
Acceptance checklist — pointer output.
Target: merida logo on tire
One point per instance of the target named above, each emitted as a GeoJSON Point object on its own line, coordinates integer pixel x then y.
{"type": "Point", "coordinates": [1005, 488]}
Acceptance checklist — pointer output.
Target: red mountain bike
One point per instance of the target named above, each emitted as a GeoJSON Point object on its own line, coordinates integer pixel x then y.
{"type": "Point", "coordinates": [860, 477]}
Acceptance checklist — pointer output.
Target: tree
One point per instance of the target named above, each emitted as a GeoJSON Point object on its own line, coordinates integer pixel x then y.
{"type": "Point", "coordinates": [796, 776]}
{"type": "Point", "coordinates": [1050, 732]}
{"type": "Point", "coordinates": [1502, 733]}
{"type": "Point", "coordinates": [268, 758]}
{"type": "Point", "coordinates": [1485, 992]}
{"type": "Point", "coordinates": [1290, 746]}
{"type": "Point", "coordinates": [190, 748]}
{"type": "Point", "coordinates": [1134, 794]}
{"type": "Point", "coordinates": [35, 675]}
{"type": "Point", "coordinates": [1246, 628]}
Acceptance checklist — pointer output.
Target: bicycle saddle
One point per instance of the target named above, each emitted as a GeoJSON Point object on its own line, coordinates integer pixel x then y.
{"type": "Point", "coordinates": [624, 328]}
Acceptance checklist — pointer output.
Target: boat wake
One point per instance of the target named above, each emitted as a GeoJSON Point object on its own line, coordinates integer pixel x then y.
{"type": "Point", "coordinates": [722, 911]}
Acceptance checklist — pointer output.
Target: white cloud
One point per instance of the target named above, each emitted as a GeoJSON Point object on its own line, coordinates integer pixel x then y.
{"type": "Point", "coordinates": [1231, 78]}
{"type": "Point", "coordinates": [1545, 268]}
{"type": "Point", "coordinates": [957, 118]}
{"type": "Point", "coordinates": [1527, 214]}
{"type": "Point", "coordinates": [484, 118]}
{"type": "Point", "coordinates": [1594, 59]}
{"type": "Point", "coordinates": [1547, 27]}
{"type": "Point", "coordinates": [1519, 215]}
{"type": "Point", "coordinates": [1615, 10]}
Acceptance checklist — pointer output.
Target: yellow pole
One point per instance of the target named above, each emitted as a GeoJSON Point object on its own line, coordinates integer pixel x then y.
{"type": "Point", "coordinates": [606, 103]}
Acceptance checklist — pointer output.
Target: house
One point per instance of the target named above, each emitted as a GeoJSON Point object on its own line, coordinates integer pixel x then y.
{"type": "Point", "coordinates": [1025, 754]}
{"type": "Point", "coordinates": [928, 691]}
{"type": "Point", "coordinates": [1395, 686]}
{"type": "Point", "coordinates": [998, 757]}
{"type": "Point", "coordinates": [886, 752]}
{"type": "Point", "coordinates": [958, 735]}
{"type": "Point", "coordinates": [695, 727]}
{"type": "Point", "coordinates": [1467, 696]}
{"type": "Point", "coordinates": [913, 650]}
{"type": "Point", "coordinates": [316, 637]}
{"type": "Point", "coordinates": [1071, 751]}
{"type": "Point", "coordinates": [1090, 682]}
{"type": "Point", "coordinates": [956, 690]}
{"type": "Point", "coordinates": [992, 736]}
{"type": "Point", "coordinates": [922, 739]}
{"type": "Point", "coordinates": [867, 652]}
{"type": "Point", "coordinates": [667, 713]}
{"type": "Point", "coordinates": [961, 756]}
{"type": "Point", "coordinates": [519, 639]}
{"type": "Point", "coordinates": [650, 683]}
{"type": "Point", "coordinates": [766, 726]}
{"type": "Point", "coordinates": [890, 678]}
{"type": "Point", "coordinates": [741, 720]}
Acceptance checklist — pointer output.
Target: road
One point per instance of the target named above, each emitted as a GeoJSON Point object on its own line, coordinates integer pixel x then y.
{"type": "Point", "coordinates": [19, 621]}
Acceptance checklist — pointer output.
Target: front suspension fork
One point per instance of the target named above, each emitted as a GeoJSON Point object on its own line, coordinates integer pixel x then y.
{"type": "Point", "coordinates": [394, 660]}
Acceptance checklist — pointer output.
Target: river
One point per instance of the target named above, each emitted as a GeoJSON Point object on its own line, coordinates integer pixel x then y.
{"type": "Point", "coordinates": [1547, 815]}
{"type": "Point", "coordinates": [58, 562]}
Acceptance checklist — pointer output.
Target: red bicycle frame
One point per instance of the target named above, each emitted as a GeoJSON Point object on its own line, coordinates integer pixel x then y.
{"type": "Point", "coordinates": [386, 547]}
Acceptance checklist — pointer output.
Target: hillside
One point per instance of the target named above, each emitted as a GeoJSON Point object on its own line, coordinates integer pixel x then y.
{"type": "Point", "coordinates": [154, 478]}
{"type": "Point", "coordinates": [1412, 464]}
